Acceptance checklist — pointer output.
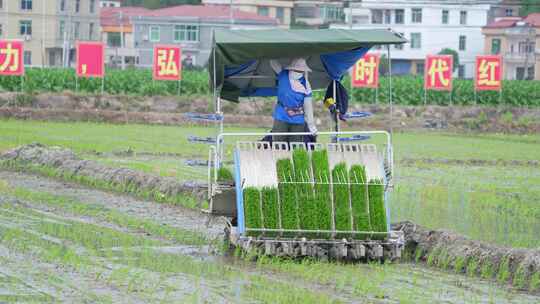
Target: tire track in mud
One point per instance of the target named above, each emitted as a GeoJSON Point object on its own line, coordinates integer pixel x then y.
{"type": "Point", "coordinates": [171, 215]}
{"type": "Point", "coordinates": [59, 284]}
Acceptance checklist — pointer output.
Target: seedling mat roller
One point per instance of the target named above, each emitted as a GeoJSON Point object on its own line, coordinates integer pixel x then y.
{"type": "Point", "coordinates": [239, 67]}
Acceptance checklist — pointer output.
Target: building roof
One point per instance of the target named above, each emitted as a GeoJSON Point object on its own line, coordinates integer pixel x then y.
{"type": "Point", "coordinates": [533, 19]}
{"type": "Point", "coordinates": [110, 16]}
{"type": "Point", "coordinates": [506, 22]}
{"type": "Point", "coordinates": [116, 16]}
{"type": "Point", "coordinates": [207, 11]}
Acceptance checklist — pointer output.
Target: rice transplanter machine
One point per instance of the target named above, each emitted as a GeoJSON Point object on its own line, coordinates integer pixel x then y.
{"type": "Point", "coordinates": [240, 68]}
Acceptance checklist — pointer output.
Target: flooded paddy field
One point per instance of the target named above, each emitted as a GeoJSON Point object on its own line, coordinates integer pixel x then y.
{"type": "Point", "coordinates": [122, 249]}
{"type": "Point", "coordinates": [64, 242]}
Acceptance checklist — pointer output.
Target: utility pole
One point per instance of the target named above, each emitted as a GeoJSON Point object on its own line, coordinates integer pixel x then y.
{"type": "Point", "coordinates": [43, 34]}
{"type": "Point", "coordinates": [231, 15]}
{"type": "Point", "coordinates": [530, 37]}
{"type": "Point", "coordinates": [122, 42]}
{"type": "Point", "coordinates": [350, 14]}
{"type": "Point", "coordinates": [67, 35]}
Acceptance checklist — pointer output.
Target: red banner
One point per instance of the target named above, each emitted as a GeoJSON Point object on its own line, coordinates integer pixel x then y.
{"type": "Point", "coordinates": [167, 62]}
{"type": "Point", "coordinates": [11, 58]}
{"type": "Point", "coordinates": [366, 72]}
{"type": "Point", "coordinates": [488, 75]}
{"type": "Point", "coordinates": [90, 59]}
{"type": "Point", "coordinates": [438, 72]}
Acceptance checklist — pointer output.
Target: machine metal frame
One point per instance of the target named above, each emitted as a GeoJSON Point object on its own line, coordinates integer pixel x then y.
{"type": "Point", "coordinates": [273, 241]}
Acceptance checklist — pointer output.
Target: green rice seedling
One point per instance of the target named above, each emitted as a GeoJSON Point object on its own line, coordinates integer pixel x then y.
{"type": "Point", "coordinates": [520, 277]}
{"type": "Point", "coordinates": [486, 270]}
{"type": "Point", "coordinates": [377, 211]}
{"type": "Point", "coordinates": [534, 283]}
{"type": "Point", "coordinates": [225, 175]}
{"type": "Point", "coordinates": [302, 176]}
{"type": "Point", "coordinates": [433, 256]}
{"type": "Point", "coordinates": [341, 198]}
{"type": "Point", "coordinates": [252, 209]}
{"type": "Point", "coordinates": [459, 264]}
{"type": "Point", "coordinates": [444, 259]}
{"type": "Point", "coordinates": [323, 200]}
{"type": "Point", "coordinates": [359, 200]}
{"type": "Point", "coordinates": [503, 275]}
{"type": "Point", "coordinates": [287, 194]}
{"type": "Point", "coordinates": [270, 208]}
{"type": "Point", "coordinates": [472, 267]}
{"type": "Point", "coordinates": [418, 254]}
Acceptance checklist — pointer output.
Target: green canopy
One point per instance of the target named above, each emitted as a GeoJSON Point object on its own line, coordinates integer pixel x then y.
{"type": "Point", "coordinates": [241, 57]}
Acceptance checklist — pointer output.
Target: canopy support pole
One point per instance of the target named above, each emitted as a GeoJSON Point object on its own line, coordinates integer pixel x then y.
{"type": "Point", "coordinates": [390, 99]}
{"type": "Point", "coordinates": [217, 110]}
{"type": "Point", "coordinates": [336, 115]}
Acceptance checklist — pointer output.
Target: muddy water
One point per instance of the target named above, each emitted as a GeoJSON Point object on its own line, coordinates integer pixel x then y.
{"type": "Point", "coordinates": [396, 283]}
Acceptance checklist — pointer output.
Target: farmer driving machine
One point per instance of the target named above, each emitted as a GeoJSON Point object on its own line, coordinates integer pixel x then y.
{"type": "Point", "coordinates": [327, 199]}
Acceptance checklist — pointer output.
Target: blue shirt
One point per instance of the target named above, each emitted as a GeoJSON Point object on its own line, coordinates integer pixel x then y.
{"type": "Point", "coordinates": [287, 98]}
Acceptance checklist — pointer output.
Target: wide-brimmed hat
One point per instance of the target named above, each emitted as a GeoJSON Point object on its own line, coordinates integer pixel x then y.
{"type": "Point", "coordinates": [298, 64]}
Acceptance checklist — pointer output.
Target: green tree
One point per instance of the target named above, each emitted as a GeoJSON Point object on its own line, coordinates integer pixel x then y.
{"type": "Point", "coordinates": [454, 54]}
{"type": "Point", "coordinates": [529, 6]}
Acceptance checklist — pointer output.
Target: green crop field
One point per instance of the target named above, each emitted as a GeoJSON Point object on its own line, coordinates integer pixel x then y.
{"type": "Point", "coordinates": [407, 90]}
{"type": "Point", "coordinates": [478, 185]}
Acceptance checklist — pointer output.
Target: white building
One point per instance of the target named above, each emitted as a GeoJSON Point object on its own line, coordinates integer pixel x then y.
{"type": "Point", "coordinates": [110, 3]}
{"type": "Point", "coordinates": [430, 26]}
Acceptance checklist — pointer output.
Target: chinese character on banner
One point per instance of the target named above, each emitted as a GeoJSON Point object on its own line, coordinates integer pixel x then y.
{"type": "Point", "coordinates": [366, 72]}
{"type": "Point", "coordinates": [167, 62]}
{"type": "Point", "coordinates": [90, 59]}
{"type": "Point", "coordinates": [488, 73]}
{"type": "Point", "coordinates": [438, 72]}
{"type": "Point", "coordinates": [11, 58]}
